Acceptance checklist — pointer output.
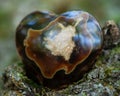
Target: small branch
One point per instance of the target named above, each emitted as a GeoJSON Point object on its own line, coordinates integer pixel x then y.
{"type": "Point", "coordinates": [111, 34]}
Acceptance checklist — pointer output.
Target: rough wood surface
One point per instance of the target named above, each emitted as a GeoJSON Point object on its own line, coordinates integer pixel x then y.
{"type": "Point", "coordinates": [102, 80]}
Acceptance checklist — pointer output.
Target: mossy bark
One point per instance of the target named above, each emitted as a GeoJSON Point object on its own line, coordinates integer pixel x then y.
{"type": "Point", "coordinates": [102, 80]}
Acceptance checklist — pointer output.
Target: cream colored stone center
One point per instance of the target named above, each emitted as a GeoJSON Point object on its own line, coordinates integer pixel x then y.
{"type": "Point", "coordinates": [62, 44]}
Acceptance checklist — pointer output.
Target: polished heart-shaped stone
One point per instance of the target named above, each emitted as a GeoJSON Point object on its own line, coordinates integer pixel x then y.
{"type": "Point", "coordinates": [58, 49]}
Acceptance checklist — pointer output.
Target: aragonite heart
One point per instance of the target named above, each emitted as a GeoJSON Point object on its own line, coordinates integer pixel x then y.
{"type": "Point", "coordinates": [58, 50]}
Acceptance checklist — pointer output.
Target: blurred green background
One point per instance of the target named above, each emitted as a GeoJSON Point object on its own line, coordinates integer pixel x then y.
{"type": "Point", "coordinates": [13, 11]}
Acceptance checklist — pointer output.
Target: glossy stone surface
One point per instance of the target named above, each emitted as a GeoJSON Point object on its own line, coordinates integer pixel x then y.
{"type": "Point", "coordinates": [58, 50]}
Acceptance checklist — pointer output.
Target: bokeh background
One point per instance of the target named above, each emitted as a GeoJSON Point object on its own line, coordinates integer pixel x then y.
{"type": "Point", "coordinates": [13, 11]}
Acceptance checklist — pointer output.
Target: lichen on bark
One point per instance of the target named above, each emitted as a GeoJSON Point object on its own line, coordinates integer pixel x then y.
{"type": "Point", "coordinates": [102, 80]}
